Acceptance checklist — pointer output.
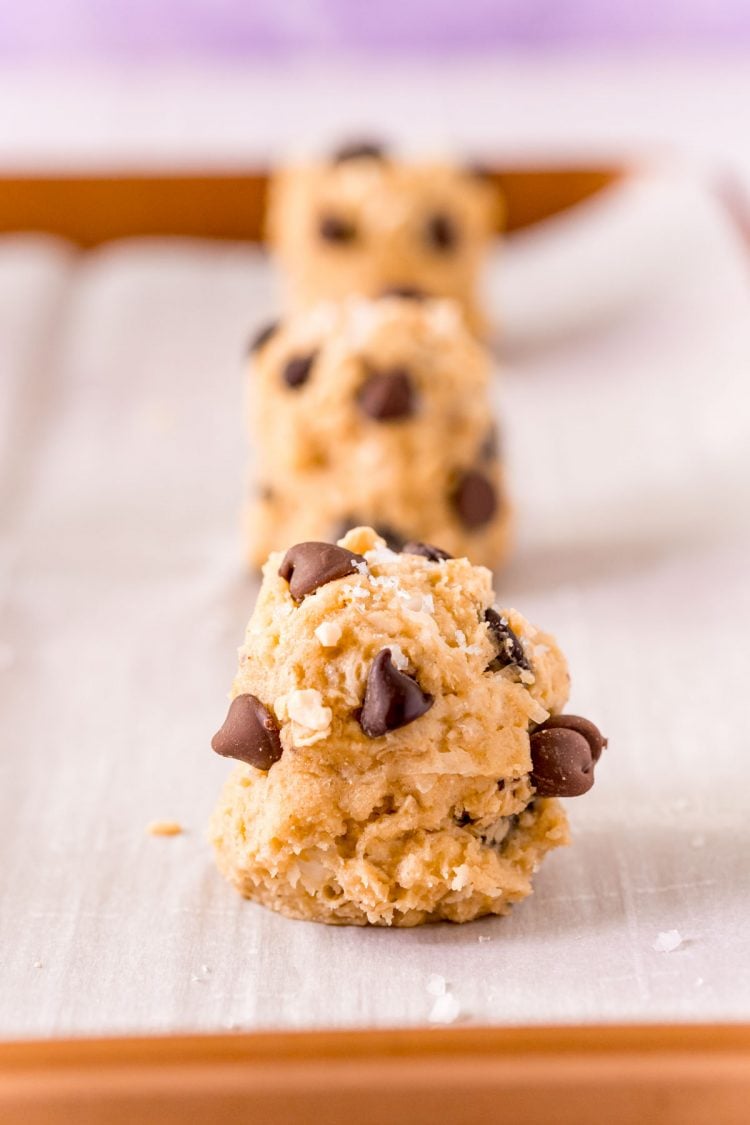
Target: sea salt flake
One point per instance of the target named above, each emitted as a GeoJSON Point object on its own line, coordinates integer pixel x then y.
{"type": "Point", "coordinates": [667, 941]}
{"type": "Point", "coordinates": [444, 317]}
{"type": "Point", "coordinates": [380, 555]}
{"type": "Point", "coordinates": [362, 568]}
{"type": "Point", "coordinates": [387, 581]}
{"type": "Point", "coordinates": [364, 318]}
{"type": "Point", "coordinates": [323, 318]}
{"type": "Point", "coordinates": [537, 713]}
{"type": "Point", "coordinates": [436, 984]}
{"type": "Point", "coordinates": [356, 591]}
{"type": "Point", "coordinates": [446, 1009]}
{"type": "Point", "coordinates": [460, 637]}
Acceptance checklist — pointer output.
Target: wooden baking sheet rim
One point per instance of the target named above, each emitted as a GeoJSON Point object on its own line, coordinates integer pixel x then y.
{"type": "Point", "coordinates": [649, 1074]}
{"type": "Point", "coordinates": [92, 207]}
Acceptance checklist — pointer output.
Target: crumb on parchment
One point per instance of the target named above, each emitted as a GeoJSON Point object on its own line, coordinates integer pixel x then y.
{"type": "Point", "coordinates": [164, 828]}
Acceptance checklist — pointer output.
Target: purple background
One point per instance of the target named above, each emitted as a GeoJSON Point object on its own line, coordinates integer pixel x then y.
{"type": "Point", "coordinates": [146, 29]}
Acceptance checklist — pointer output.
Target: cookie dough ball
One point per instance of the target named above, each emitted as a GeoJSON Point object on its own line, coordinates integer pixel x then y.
{"type": "Point", "coordinates": [399, 738]}
{"type": "Point", "coordinates": [364, 223]}
{"type": "Point", "coordinates": [375, 412]}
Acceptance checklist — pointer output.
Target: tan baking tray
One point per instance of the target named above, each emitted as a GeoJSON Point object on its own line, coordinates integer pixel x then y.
{"type": "Point", "coordinates": [89, 209]}
{"type": "Point", "coordinates": [652, 1075]}
{"type": "Point", "coordinates": [666, 1075]}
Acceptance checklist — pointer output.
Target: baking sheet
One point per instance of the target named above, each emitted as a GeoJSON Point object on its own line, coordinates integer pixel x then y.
{"type": "Point", "coordinates": [123, 599]}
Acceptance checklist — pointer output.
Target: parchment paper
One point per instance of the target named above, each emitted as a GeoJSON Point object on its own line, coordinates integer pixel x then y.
{"type": "Point", "coordinates": [123, 598]}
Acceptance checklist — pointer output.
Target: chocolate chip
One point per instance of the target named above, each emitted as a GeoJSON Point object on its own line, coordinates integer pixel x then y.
{"type": "Point", "coordinates": [564, 751]}
{"type": "Point", "coordinates": [394, 539]}
{"type": "Point", "coordinates": [441, 232]}
{"type": "Point", "coordinates": [262, 336]}
{"type": "Point", "coordinates": [479, 171]}
{"type": "Point", "coordinates": [249, 734]}
{"type": "Point", "coordinates": [358, 150]}
{"type": "Point", "coordinates": [387, 395]}
{"type": "Point", "coordinates": [406, 292]}
{"type": "Point", "coordinates": [474, 499]}
{"type": "Point", "coordinates": [490, 447]}
{"type": "Point", "coordinates": [596, 740]}
{"type": "Point", "coordinates": [434, 554]}
{"type": "Point", "coordinates": [332, 228]}
{"type": "Point", "coordinates": [345, 525]}
{"type": "Point", "coordinates": [392, 699]}
{"type": "Point", "coordinates": [297, 369]}
{"type": "Point", "coordinates": [306, 566]}
{"type": "Point", "coordinates": [510, 651]}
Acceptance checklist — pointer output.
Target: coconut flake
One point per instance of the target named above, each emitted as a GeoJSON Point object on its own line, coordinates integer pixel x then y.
{"type": "Point", "coordinates": [461, 878]}
{"type": "Point", "coordinates": [329, 634]}
{"type": "Point", "coordinates": [310, 718]}
{"type": "Point", "coordinates": [418, 603]}
{"type": "Point", "coordinates": [398, 657]}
